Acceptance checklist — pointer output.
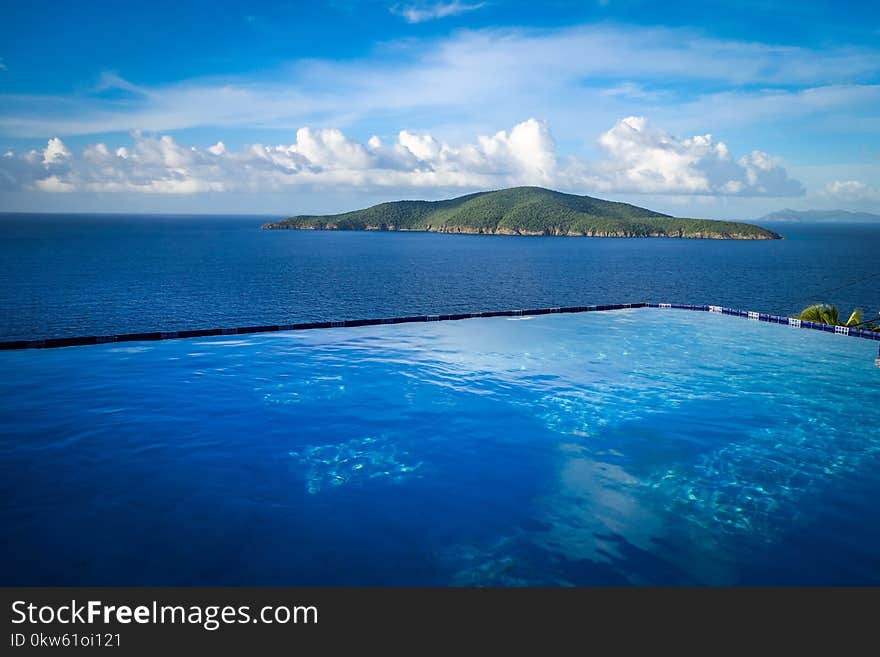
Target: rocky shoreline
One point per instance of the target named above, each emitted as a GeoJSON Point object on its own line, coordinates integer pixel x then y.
{"type": "Point", "coordinates": [467, 230]}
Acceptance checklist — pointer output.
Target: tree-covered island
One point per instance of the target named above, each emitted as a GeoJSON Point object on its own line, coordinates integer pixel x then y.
{"type": "Point", "coordinates": [525, 211]}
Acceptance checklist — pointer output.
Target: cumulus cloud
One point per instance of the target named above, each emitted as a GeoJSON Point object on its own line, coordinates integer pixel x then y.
{"type": "Point", "coordinates": [55, 153]}
{"type": "Point", "coordinates": [428, 11]}
{"type": "Point", "coordinates": [644, 159]}
{"type": "Point", "coordinates": [637, 158]}
{"type": "Point", "coordinates": [851, 191]}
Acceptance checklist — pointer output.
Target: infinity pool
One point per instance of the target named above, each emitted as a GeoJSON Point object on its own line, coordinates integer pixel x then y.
{"type": "Point", "coordinates": [627, 447]}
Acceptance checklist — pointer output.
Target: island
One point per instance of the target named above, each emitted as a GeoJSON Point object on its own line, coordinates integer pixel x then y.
{"type": "Point", "coordinates": [525, 211]}
{"type": "Point", "coordinates": [829, 216]}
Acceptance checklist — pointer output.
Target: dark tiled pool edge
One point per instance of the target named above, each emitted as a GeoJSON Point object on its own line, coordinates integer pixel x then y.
{"type": "Point", "coordinates": [50, 343]}
{"type": "Point", "coordinates": [773, 319]}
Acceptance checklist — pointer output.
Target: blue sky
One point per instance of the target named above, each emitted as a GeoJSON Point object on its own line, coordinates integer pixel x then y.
{"type": "Point", "coordinates": [720, 110]}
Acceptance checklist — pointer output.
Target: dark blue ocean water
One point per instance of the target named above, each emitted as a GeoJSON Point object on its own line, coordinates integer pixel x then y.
{"type": "Point", "coordinates": [76, 274]}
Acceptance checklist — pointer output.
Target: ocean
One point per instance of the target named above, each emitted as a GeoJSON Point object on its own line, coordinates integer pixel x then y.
{"type": "Point", "coordinates": [63, 275]}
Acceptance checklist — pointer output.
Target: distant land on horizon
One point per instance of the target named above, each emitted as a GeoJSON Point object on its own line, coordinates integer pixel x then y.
{"type": "Point", "coordinates": [525, 211]}
{"type": "Point", "coordinates": [841, 216]}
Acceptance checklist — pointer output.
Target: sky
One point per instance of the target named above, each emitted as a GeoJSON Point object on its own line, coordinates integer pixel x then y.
{"type": "Point", "coordinates": [709, 109]}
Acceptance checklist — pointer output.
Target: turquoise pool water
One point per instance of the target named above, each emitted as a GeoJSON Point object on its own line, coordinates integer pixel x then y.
{"type": "Point", "coordinates": [627, 447]}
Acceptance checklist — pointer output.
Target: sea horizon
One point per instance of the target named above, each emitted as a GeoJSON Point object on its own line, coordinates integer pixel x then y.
{"type": "Point", "coordinates": [111, 273]}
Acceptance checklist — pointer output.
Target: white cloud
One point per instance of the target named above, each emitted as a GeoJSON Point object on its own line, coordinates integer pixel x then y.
{"type": "Point", "coordinates": [53, 184]}
{"type": "Point", "coordinates": [846, 187]}
{"type": "Point", "coordinates": [851, 191]}
{"type": "Point", "coordinates": [55, 153]}
{"type": "Point", "coordinates": [328, 149]}
{"type": "Point", "coordinates": [528, 148]}
{"type": "Point", "coordinates": [632, 91]}
{"type": "Point", "coordinates": [495, 75]}
{"type": "Point", "coordinates": [643, 159]}
{"type": "Point", "coordinates": [638, 158]}
{"type": "Point", "coordinates": [844, 107]}
{"type": "Point", "coordinates": [428, 11]}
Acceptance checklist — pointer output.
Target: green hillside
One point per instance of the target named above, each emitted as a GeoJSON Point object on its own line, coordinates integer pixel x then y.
{"type": "Point", "coordinates": [524, 211]}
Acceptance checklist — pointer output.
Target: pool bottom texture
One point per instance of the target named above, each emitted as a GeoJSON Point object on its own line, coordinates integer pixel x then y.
{"type": "Point", "coordinates": [650, 447]}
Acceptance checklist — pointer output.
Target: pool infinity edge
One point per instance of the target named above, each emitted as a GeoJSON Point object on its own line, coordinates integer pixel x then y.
{"type": "Point", "coordinates": [52, 343]}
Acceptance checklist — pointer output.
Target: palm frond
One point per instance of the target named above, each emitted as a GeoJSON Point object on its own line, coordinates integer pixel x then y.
{"type": "Point", "coordinates": [820, 313]}
{"type": "Point", "coordinates": [855, 319]}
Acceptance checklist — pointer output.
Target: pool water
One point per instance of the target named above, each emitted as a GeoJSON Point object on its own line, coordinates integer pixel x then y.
{"type": "Point", "coordinates": [628, 447]}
